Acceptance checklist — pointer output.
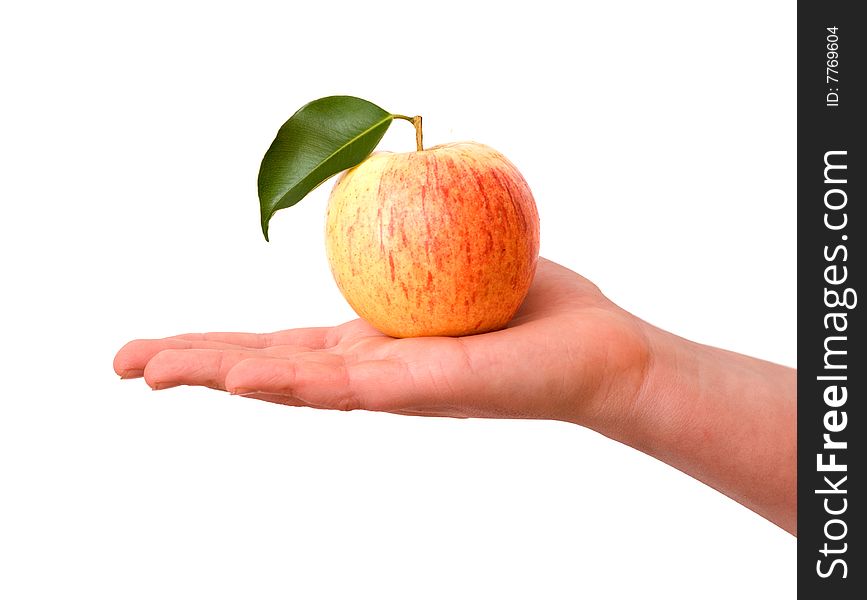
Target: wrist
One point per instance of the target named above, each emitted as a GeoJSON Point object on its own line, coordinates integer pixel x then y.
{"type": "Point", "coordinates": [641, 405]}
{"type": "Point", "coordinates": [656, 418]}
{"type": "Point", "coordinates": [726, 419]}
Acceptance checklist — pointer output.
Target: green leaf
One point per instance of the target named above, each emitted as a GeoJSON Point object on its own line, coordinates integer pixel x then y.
{"type": "Point", "coordinates": [322, 139]}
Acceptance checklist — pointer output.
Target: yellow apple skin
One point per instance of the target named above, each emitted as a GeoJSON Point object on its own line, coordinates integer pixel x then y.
{"type": "Point", "coordinates": [438, 242]}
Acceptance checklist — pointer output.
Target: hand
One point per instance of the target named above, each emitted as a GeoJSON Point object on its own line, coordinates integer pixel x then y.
{"type": "Point", "coordinates": [567, 354]}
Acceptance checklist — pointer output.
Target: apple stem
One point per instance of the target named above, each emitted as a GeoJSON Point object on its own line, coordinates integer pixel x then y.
{"type": "Point", "coordinates": [416, 122]}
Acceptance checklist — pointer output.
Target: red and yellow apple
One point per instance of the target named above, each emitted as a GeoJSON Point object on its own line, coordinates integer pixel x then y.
{"type": "Point", "coordinates": [437, 242]}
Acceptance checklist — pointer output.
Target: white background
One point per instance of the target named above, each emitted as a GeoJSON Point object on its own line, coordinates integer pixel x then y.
{"type": "Point", "coordinates": [659, 140]}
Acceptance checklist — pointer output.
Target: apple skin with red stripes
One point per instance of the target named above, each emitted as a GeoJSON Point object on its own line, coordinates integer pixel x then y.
{"type": "Point", "coordinates": [437, 242]}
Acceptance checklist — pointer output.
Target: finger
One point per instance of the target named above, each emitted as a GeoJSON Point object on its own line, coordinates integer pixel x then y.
{"type": "Point", "coordinates": [275, 398]}
{"type": "Point", "coordinates": [380, 385]}
{"type": "Point", "coordinates": [130, 360]}
{"type": "Point", "coordinates": [209, 367]}
{"type": "Point", "coordinates": [315, 382]}
{"type": "Point", "coordinates": [554, 288]}
{"type": "Point", "coordinates": [204, 367]}
{"type": "Point", "coordinates": [313, 338]}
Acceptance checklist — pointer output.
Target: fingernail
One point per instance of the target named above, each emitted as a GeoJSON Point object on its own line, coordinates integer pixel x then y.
{"type": "Point", "coordinates": [268, 396]}
{"type": "Point", "coordinates": [131, 374]}
{"type": "Point", "coordinates": [162, 386]}
{"type": "Point", "coordinates": [242, 392]}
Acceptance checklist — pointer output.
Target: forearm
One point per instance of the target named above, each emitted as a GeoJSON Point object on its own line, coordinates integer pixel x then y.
{"type": "Point", "coordinates": [726, 419]}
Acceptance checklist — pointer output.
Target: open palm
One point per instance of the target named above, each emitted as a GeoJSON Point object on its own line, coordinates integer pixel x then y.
{"type": "Point", "coordinates": [567, 353]}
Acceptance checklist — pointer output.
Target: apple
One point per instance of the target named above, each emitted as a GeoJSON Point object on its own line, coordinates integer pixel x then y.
{"type": "Point", "coordinates": [436, 242]}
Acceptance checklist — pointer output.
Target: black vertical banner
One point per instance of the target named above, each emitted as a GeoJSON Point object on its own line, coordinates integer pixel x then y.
{"type": "Point", "coordinates": [832, 369]}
